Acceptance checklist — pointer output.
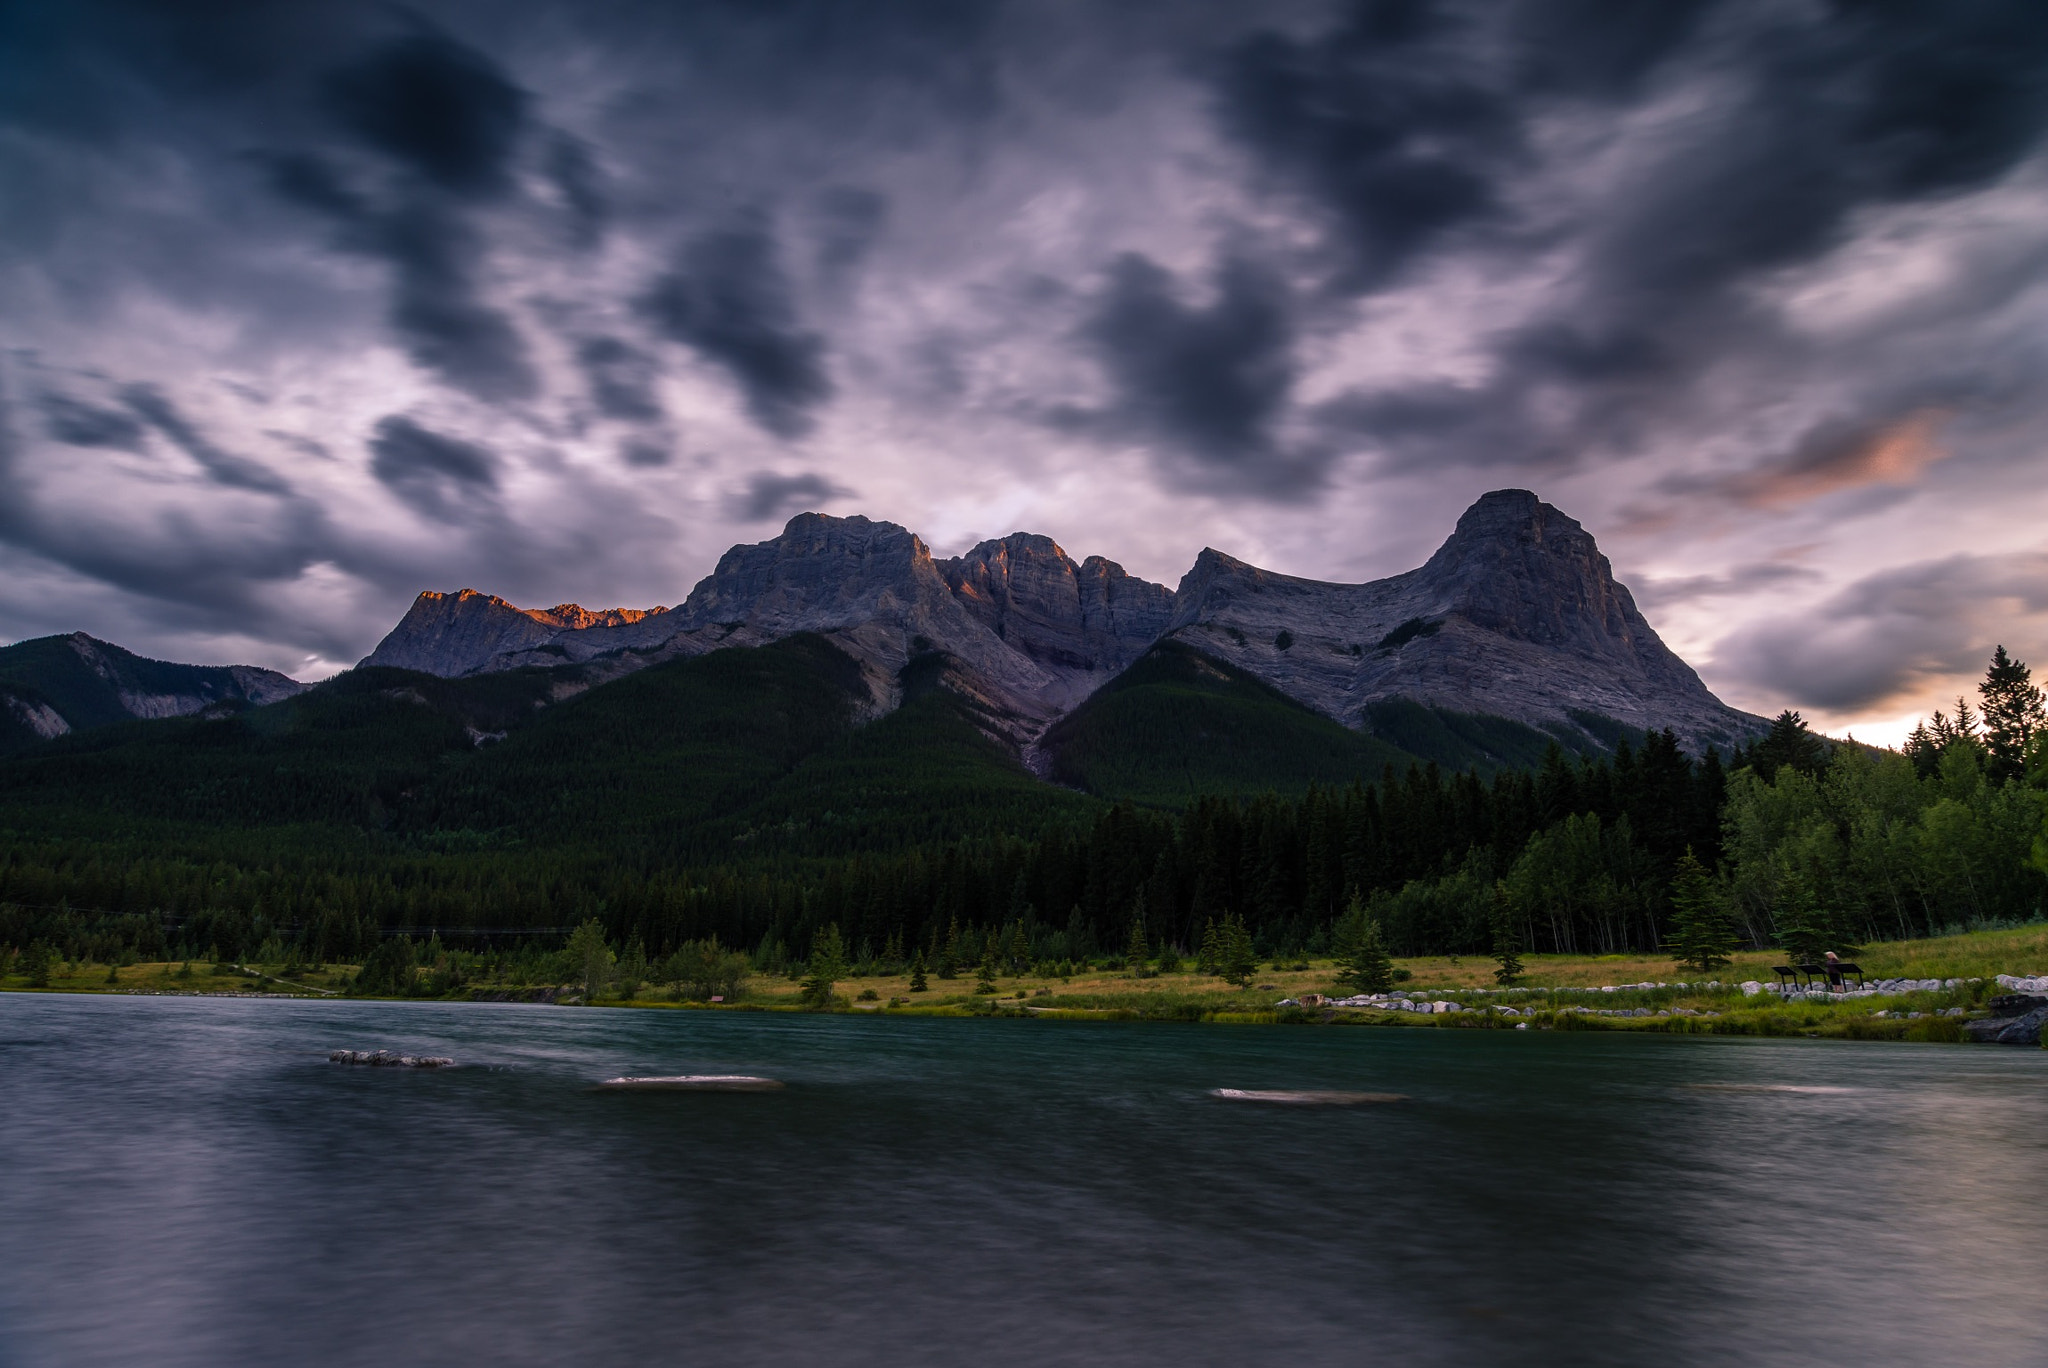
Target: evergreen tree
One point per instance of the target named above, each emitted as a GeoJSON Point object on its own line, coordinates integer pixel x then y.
{"type": "Point", "coordinates": [36, 962]}
{"type": "Point", "coordinates": [1801, 928]}
{"type": "Point", "coordinates": [1703, 933]}
{"type": "Point", "coordinates": [985, 976]}
{"type": "Point", "coordinates": [1365, 966]}
{"type": "Point", "coordinates": [1236, 961]}
{"type": "Point", "coordinates": [1209, 956]}
{"type": "Point", "coordinates": [949, 957]}
{"type": "Point", "coordinates": [1507, 936]}
{"type": "Point", "coordinates": [2013, 715]}
{"type": "Point", "coordinates": [1790, 743]}
{"type": "Point", "coordinates": [917, 979]}
{"type": "Point", "coordinates": [826, 966]}
{"type": "Point", "coordinates": [1169, 958]}
{"type": "Point", "coordinates": [1137, 950]}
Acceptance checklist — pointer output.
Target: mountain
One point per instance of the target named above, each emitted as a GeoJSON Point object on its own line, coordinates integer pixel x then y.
{"type": "Point", "coordinates": [1029, 632]}
{"type": "Point", "coordinates": [1517, 617]}
{"type": "Point", "coordinates": [51, 686]}
{"type": "Point", "coordinates": [445, 634]}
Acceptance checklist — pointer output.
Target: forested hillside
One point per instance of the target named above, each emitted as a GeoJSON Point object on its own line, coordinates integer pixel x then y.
{"type": "Point", "coordinates": [738, 796]}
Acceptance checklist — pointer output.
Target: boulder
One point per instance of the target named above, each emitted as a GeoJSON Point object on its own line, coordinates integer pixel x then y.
{"type": "Point", "coordinates": [2019, 1030]}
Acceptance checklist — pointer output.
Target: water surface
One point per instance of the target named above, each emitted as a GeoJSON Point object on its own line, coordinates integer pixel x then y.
{"type": "Point", "coordinates": [189, 1182]}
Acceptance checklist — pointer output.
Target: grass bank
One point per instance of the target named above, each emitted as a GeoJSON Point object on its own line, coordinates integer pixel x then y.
{"type": "Point", "coordinates": [1557, 992]}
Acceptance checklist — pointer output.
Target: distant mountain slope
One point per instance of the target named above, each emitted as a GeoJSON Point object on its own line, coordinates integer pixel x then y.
{"type": "Point", "coordinates": [1179, 724]}
{"type": "Point", "coordinates": [1517, 615]}
{"type": "Point", "coordinates": [51, 686]}
{"type": "Point", "coordinates": [724, 757]}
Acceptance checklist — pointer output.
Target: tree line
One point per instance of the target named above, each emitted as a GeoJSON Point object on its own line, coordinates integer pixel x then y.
{"type": "Point", "coordinates": [1791, 838]}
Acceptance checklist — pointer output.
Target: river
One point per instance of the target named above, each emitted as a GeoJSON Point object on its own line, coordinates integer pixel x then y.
{"type": "Point", "coordinates": [190, 1182]}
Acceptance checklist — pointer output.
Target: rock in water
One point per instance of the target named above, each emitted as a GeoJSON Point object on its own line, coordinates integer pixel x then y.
{"type": "Point", "coordinates": [388, 1060]}
{"type": "Point", "coordinates": [694, 1083]}
{"type": "Point", "coordinates": [1304, 1097]}
{"type": "Point", "coordinates": [2017, 1030]}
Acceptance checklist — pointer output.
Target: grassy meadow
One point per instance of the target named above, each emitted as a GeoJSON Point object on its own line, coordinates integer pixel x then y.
{"type": "Point", "coordinates": [1553, 993]}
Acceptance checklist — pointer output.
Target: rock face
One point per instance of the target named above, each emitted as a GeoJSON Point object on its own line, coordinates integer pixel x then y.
{"type": "Point", "coordinates": [54, 685]}
{"type": "Point", "coordinates": [1090, 617]}
{"type": "Point", "coordinates": [461, 633]}
{"type": "Point", "coordinates": [1030, 632]}
{"type": "Point", "coordinates": [1517, 614]}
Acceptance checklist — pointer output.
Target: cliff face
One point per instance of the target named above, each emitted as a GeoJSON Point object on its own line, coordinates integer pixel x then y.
{"type": "Point", "coordinates": [1517, 614]}
{"type": "Point", "coordinates": [1091, 618]}
{"type": "Point", "coordinates": [461, 633]}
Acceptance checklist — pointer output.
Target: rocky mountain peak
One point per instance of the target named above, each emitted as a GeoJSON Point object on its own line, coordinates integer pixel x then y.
{"type": "Point", "coordinates": [1519, 567]}
{"type": "Point", "coordinates": [1028, 591]}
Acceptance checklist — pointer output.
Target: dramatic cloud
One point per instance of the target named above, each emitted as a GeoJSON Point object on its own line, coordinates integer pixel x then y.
{"type": "Point", "coordinates": [77, 424]}
{"type": "Point", "coordinates": [1890, 634]}
{"type": "Point", "coordinates": [434, 106]}
{"type": "Point", "coordinates": [433, 473]}
{"type": "Point", "coordinates": [770, 496]}
{"type": "Point", "coordinates": [310, 306]}
{"type": "Point", "coordinates": [621, 379]}
{"type": "Point", "coordinates": [730, 300]}
{"type": "Point", "coordinates": [1209, 382]}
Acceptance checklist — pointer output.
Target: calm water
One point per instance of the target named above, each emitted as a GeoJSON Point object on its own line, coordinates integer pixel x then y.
{"type": "Point", "coordinates": [189, 1182]}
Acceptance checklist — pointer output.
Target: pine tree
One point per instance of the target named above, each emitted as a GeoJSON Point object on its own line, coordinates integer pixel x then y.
{"type": "Point", "coordinates": [917, 979]}
{"type": "Point", "coordinates": [826, 966]}
{"type": "Point", "coordinates": [1363, 963]}
{"type": "Point", "coordinates": [1507, 937]}
{"type": "Point", "coordinates": [985, 976]}
{"type": "Point", "coordinates": [2013, 714]}
{"type": "Point", "coordinates": [1800, 926]}
{"type": "Point", "coordinates": [949, 957]}
{"type": "Point", "coordinates": [1702, 928]}
{"type": "Point", "coordinates": [1137, 950]}
{"type": "Point", "coordinates": [1237, 961]}
{"type": "Point", "coordinates": [1210, 955]}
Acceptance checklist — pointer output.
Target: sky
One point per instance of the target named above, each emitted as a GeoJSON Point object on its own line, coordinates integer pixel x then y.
{"type": "Point", "coordinates": [307, 307]}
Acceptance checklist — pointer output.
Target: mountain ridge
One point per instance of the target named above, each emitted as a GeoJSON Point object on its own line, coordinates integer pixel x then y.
{"type": "Point", "coordinates": [1516, 615]}
{"type": "Point", "coordinates": [52, 686]}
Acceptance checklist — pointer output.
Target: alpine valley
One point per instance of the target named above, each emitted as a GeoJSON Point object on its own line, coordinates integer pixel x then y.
{"type": "Point", "coordinates": [822, 704]}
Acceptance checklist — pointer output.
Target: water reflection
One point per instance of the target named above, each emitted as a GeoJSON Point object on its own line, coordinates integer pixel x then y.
{"type": "Point", "coordinates": [191, 1182]}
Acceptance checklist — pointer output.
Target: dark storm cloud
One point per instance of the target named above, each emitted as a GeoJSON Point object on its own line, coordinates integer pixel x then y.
{"type": "Point", "coordinates": [770, 496]}
{"type": "Point", "coordinates": [621, 379]}
{"type": "Point", "coordinates": [85, 425]}
{"type": "Point", "coordinates": [431, 249]}
{"type": "Point", "coordinates": [150, 405]}
{"type": "Point", "coordinates": [434, 106]}
{"type": "Point", "coordinates": [848, 220]}
{"type": "Point", "coordinates": [1817, 116]}
{"type": "Point", "coordinates": [436, 474]}
{"type": "Point", "coordinates": [1890, 631]}
{"type": "Point", "coordinates": [730, 300]}
{"type": "Point", "coordinates": [644, 452]}
{"type": "Point", "coordinates": [1210, 381]}
{"type": "Point", "coordinates": [575, 175]}
{"type": "Point", "coordinates": [1385, 123]}
{"type": "Point", "coordinates": [1743, 579]}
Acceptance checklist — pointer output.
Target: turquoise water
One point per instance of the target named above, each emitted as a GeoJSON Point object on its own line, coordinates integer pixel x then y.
{"type": "Point", "coordinates": [186, 1181]}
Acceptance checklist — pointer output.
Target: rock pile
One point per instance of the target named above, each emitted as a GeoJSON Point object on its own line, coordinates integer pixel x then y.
{"type": "Point", "coordinates": [386, 1059]}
